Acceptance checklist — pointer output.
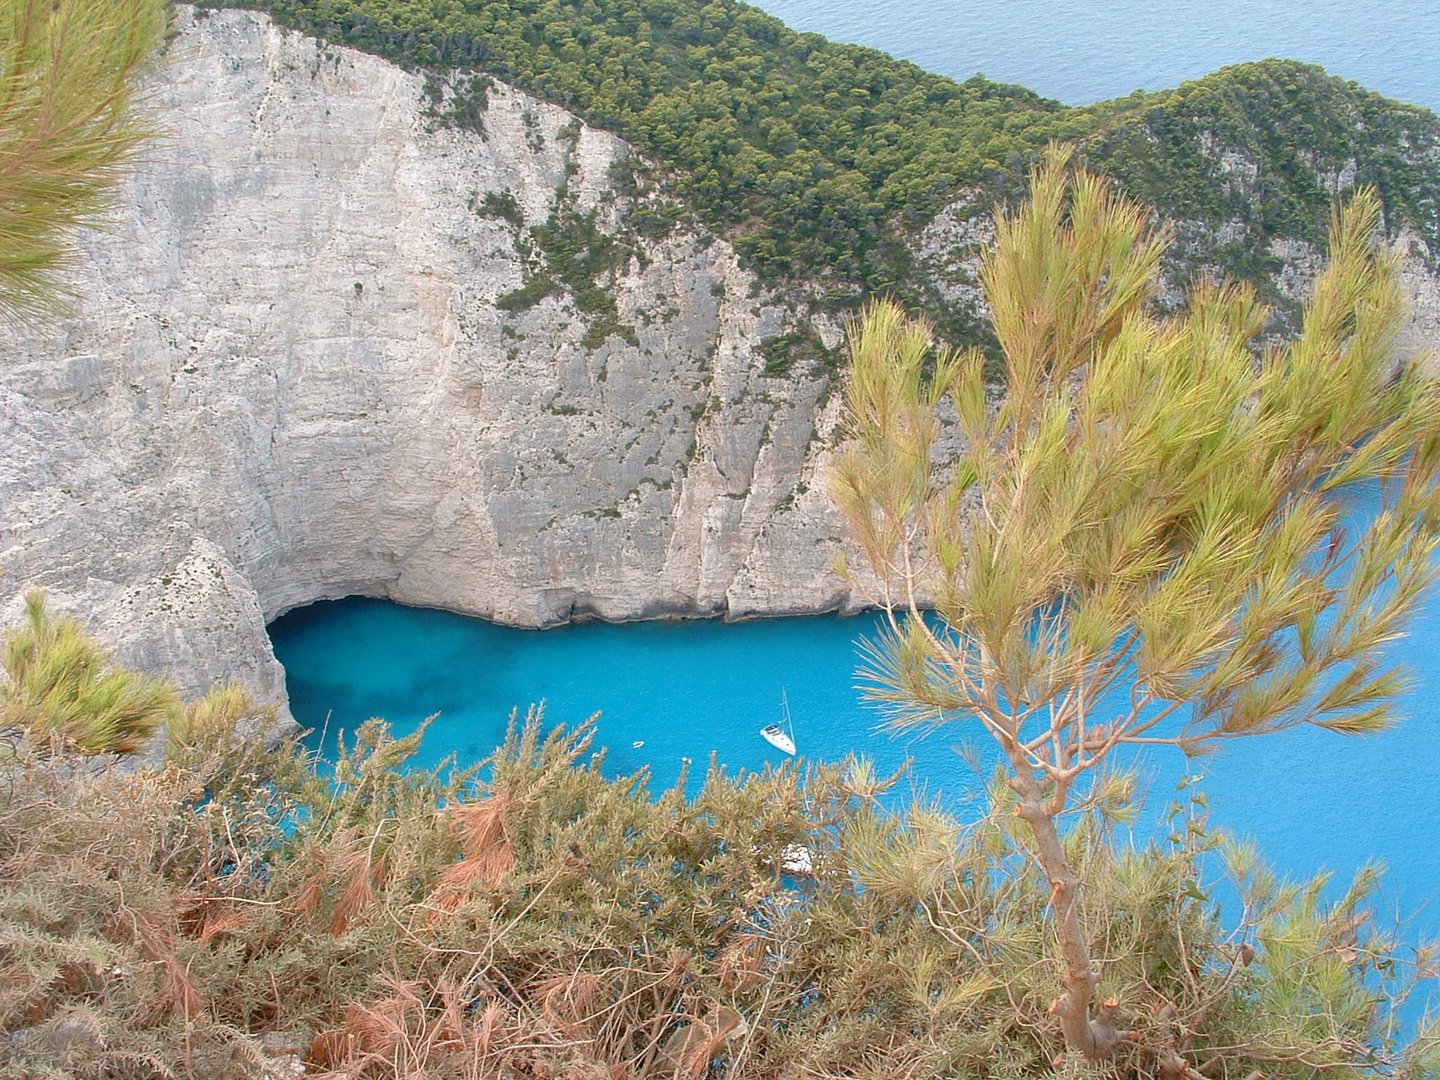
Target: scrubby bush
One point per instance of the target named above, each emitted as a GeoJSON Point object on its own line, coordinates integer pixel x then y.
{"type": "Point", "coordinates": [61, 686]}
{"type": "Point", "coordinates": [223, 911]}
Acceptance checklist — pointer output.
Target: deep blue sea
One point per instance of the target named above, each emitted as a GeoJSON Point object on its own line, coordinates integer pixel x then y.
{"type": "Point", "coordinates": [1312, 800]}
{"type": "Point", "coordinates": [1081, 51]}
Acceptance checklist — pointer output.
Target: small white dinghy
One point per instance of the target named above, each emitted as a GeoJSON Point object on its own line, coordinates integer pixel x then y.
{"type": "Point", "coordinates": [778, 737]}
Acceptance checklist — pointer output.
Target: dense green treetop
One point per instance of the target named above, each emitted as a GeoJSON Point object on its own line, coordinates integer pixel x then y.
{"type": "Point", "coordinates": [813, 157]}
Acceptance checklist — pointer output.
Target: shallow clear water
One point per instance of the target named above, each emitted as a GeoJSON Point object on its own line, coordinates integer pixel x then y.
{"type": "Point", "coordinates": [1081, 52]}
{"type": "Point", "coordinates": [1313, 800]}
{"type": "Point", "coordinates": [683, 689]}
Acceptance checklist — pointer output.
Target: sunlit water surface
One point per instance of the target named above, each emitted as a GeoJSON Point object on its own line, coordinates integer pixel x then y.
{"type": "Point", "coordinates": [1081, 51]}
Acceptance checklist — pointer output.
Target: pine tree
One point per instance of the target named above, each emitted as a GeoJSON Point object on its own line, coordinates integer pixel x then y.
{"type": "Point", "coordinates": [1140, 542]}
{"type": "Point", "coordinates": [68, 129]}
{"type": "Point", "coordinates": [59, 684]}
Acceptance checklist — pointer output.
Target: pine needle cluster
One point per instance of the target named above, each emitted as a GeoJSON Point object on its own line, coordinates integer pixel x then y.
{"type": "Point", "coordinates": [68, 130]}
{"type": "Point", "coordinates": [61, 686]}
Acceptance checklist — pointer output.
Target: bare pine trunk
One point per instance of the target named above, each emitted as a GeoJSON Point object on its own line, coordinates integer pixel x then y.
{"type": "Point", "coordinates": [1093, 1038]}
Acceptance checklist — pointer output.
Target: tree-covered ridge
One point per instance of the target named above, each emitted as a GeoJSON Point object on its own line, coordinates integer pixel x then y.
{"type": "Point", "coordinates": [816, 157]}
{"type": "Point", "coordinates": [1269, 146]}
{"type": "Point", "coordinates": [804, 152]}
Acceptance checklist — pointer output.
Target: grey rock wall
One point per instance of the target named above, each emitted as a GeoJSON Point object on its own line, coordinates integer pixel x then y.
{"type": "Point", "coordinates": [289, 380]}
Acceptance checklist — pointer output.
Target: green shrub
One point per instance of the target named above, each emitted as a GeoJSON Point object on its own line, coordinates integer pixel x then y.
{"type": "Point", "coordinates": [501, 204]}
{"type": "Point", "coordinates": [534, 289]}
{"type": "Point", "coordinates": [60, 685]}
{"type": "Point", "coordinates": [781, 353]}
{"type": "Point", "coordinates": [549, 921]}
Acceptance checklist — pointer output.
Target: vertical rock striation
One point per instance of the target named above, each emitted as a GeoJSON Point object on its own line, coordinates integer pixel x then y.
{"type": "Point", "coordinates": [290, 379]}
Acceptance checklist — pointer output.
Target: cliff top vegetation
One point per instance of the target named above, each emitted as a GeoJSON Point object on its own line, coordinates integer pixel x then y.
{"type": "Point", "coordinates": [817, 159]}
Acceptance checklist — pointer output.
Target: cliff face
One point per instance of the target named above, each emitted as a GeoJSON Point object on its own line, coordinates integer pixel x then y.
{"type": "Point", "coordinates": [289, 379]}
{"type": "Point", "coordinates": [322, 353]}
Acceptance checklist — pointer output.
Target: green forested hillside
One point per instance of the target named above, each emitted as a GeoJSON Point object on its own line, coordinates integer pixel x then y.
{"type": "Point", "coordinates": [815, 157]}
{"type": "Point", "coordinates": [799, 149]}
{"type": "Point", "coordinates": [1186, 153]}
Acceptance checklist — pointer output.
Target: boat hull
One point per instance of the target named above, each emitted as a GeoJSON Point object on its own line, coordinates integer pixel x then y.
{"type": "Point", "coordinates": [777, 738]}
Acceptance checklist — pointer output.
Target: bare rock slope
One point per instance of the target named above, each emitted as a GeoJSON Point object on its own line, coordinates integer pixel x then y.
{"type": "Point", "coordinates": [319, 355]}
{"type": "Point", "coordinates": [289, 379]}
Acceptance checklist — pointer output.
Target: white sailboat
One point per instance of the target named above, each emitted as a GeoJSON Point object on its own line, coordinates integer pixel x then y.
{"type": "Point", "coordinates": [782, 739]}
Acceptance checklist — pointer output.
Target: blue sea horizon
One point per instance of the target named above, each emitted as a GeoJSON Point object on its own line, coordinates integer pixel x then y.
{"type": "Point", "coordinates": [1080, 53]}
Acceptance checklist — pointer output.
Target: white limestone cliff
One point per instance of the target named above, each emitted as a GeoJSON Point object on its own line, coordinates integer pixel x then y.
{"type": "Point", "coordinates": [289, 380]}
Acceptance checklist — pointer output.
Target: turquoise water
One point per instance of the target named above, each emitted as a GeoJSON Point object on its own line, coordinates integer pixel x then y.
{"type": "Point", "coordinates": [1080, 52]}
{"type": "Point", "coordinates": [685, 689]}
{"type": "Point", "coordinates": [1313, 800]}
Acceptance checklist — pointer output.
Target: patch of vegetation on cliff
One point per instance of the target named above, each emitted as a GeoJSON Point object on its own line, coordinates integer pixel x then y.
{"type": "Point", "coordinates": [581, 256]}
{"type": "Point", "coordinates": [818, 159]}
{"type": "Point", "coordinates": [1264, 149]}
{"type": "Point", "coordinates": [461, 104]}
{"type": "Point", "coordinates": [499, 204]}
{"type": "Point", "coordinates": [803, 344]}
{"type": "Point", "coordinates": [568, 254]}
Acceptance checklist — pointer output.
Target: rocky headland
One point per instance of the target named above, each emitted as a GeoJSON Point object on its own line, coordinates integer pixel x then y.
{"type": "Point", "coordinates": [306, 365]}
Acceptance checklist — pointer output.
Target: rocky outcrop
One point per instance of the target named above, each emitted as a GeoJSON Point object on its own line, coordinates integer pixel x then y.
{"type": "Point", "coordinates": [323, 351]}
{"type": "Point", "coordinates": [290, 379]}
